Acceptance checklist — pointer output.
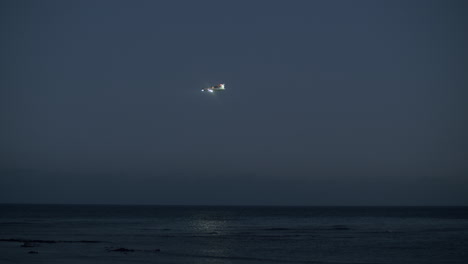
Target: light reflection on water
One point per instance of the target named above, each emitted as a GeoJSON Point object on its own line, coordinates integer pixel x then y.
{"type": "Point", "coordinates": [211, 228]}
{"type": "Point", "coordinates": [240, 235]}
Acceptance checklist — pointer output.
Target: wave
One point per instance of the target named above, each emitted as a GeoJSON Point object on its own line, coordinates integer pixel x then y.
{"type": "Point", "coordinates": [257, 259]}
{"type": "Point", "coordinates": [19, 223]}
{"type": "Point", "coordinates": [307, 229]}
{"type": "Point", "coordinates": [46, 241]}
{"type": "Point", "coordinates": [278, 229]}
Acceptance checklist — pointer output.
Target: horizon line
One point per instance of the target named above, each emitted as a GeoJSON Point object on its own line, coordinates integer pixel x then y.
{"type": "Point", "coordinates": [222, 205]}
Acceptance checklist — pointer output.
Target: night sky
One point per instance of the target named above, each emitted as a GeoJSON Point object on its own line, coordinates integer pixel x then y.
{"type": "Point", "coordinates": [326, 102]}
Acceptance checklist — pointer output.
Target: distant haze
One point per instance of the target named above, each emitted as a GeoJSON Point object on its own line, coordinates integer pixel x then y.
{"type": "Point", "coordinates": [326, 102]}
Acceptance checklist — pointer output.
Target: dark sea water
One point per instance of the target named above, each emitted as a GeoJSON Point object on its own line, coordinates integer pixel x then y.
{"type": "Point", "coordinates": [191, 234]}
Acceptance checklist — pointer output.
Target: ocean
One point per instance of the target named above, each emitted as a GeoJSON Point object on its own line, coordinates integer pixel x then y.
{"type": "Point", "coordinates": [234, 234]}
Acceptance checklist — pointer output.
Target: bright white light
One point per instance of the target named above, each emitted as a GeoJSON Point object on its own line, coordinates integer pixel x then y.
{"type": "Point", "coordinates": [210, 91]}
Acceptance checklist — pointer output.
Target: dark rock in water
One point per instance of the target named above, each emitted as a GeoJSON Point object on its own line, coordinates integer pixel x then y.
{"type": "Point", "coordinates": [33, 252]}
{"type": "Point", "coordinates": [122, 250]}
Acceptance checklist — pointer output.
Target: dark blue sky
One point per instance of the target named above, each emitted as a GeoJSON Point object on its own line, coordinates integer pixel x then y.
{"type": "Point", "coordinates": [327, 102]}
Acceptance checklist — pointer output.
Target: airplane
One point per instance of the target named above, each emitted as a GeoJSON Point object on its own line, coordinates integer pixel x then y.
{"type": "Point", "coordinates": [216, 88]}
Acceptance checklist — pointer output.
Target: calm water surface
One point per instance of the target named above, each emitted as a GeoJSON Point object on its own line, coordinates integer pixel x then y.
{"type": "Point", "coordinates": [202, 234]}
